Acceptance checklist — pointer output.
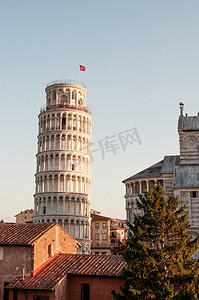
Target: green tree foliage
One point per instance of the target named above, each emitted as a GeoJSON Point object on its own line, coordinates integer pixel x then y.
{"type": "Point", "coordinates": [2, 221]}
{"type": "Point", "coordinates": [159, 251]}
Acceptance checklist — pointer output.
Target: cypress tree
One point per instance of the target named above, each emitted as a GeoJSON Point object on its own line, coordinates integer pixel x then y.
{"type": "Point", "coordinates": [159, 251]}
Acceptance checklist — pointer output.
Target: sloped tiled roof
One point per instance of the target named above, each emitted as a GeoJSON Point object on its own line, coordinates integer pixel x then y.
{"type": "Point", "coordinates": [99, 217]}
{"type": "Point", "coordinates": [112, 227]}
{"type": "Point", "coordinates": [164, 166]}
{"type": "Point", "coordinates": [24, 211]}
{"type": "Point", "coordinates": [22, 234]}
{"type": "Point", "coordinates": [169, 164]}
{"type": "Point", "coordinates": [72, 265]}
{"type": "Point", "coordinates": [152, 171]}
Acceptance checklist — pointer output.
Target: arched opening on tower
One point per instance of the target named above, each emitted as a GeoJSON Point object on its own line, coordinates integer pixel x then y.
{"type": "Point", "coordinates": [64, 122]}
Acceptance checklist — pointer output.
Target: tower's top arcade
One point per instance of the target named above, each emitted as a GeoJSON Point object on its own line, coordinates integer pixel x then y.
{"type": "Point", "coordinates": [66, 94]}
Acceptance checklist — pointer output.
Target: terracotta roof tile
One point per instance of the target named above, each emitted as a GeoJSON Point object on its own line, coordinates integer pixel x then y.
{"type": "Point", "coordinates": [99, 217]}
{"type": "Point", "coordinates": [22, 234]}
{"type": "Point", "coordinates": [112, 227]}
{"type": "Point", "coordinates": [72, 265]}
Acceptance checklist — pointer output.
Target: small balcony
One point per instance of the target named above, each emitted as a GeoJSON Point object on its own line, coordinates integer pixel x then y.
{"type": "Point", "coordinates": [66, 106]}
{"type": "Point", "coordinates": [67, 81]}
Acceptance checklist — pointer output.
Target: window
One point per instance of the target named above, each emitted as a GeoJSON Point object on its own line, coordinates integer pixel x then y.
{"type": "Point", "coordinates": [194, 194]}
{"type": "Point", "coordinates": [104, 236]}
{"type": "Point", "coordinates": [85, 291]}
{"type": "Point", "coordinates": [49, 250]}
{"type": "Point", "coordinates": [6, 291]}
{"type": "Point", "coordinates": [15, 294]}
{"type": "Point", "coordinates": [73, 167]}
{"type": "Point", "coordinates": [113, 234]}
{"type": "Point", "coordinates": [97, 253]}
{"type": "Point", "coordinates": [1, 253]}
{"type": "Point", "coordinates": [38, 297]}
{"type": "Point", "coordinates": [63, 122]}
{"type": "Point", "coordinates": [103, 253]}
{"type": "Point", "coordinates": [103, 225]}
{"type": "Point", "coordinates": [112, 241]}
{"type": "Point", "coordinates": [97, 236]}
{"type": "Point", "coordinates": [44, 210]}
{"type": "Point", "coordinates": [96, 225]}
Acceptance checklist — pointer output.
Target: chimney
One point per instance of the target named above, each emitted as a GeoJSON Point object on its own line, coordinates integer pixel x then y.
{"type": "Point", "coordinates": [181, 108]}
{"type": "Point", "coordinates": [23, 274]}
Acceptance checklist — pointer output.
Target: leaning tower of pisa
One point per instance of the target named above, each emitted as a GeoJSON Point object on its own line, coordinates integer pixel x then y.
{"type": "Point", "coordinates": [63, 174]}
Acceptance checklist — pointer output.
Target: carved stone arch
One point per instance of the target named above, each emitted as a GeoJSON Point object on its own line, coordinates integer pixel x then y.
{"type": "Point", "coordinates": [60, 222]}
{"type": "Point", "coordinates": [54, 92]}
{"type": "Point", "coordinates": [190, 141]}
{"type": "Point", "coordinates": [80, 102]}
{"type": "Point", "coordinates": [74, 94]}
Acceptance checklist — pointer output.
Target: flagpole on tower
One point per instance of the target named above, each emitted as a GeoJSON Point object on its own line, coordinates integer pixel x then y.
{"type": "Point", "coordinates": [78, 74]}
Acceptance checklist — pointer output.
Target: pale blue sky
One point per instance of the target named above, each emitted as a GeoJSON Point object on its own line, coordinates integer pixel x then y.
{"type": "Point", "coordinates": [141, 58]}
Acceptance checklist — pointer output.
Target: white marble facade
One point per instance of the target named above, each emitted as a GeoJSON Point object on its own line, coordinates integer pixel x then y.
{"type": "Point", "coordinates": [63, 170]}
{"type": "Point", "coordinates": [178, 174]}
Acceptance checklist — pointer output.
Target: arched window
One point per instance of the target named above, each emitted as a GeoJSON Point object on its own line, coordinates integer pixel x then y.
{"type": "Point", "coordinates": [44, 210]}
{"type": "Point", "coordinates": [64, 122]}
{"type": "Point", "coordinates": [49, 250]}
{"type": "Point", "coordinates": [73, 95]}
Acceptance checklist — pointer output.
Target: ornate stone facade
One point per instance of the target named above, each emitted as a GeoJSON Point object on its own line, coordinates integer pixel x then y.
{"type": "Point", "coordinates": [63, 175]}
{"type": "Point", "coordinates": [179, 175]}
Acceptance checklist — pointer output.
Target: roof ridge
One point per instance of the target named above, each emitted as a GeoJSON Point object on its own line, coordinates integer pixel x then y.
{"type": "Point", "coordinates": [41, 233]}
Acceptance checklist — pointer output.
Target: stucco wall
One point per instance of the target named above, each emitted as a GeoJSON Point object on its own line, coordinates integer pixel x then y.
{"type": "Point", "coordinates": [14, 259]}
{"type": "Point", "coordinates": [100, 288]}
{"type": "Point", "coordinates": [28, 295]}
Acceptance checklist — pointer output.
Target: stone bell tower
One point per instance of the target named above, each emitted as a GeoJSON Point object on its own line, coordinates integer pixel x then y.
{"type": "Point", "coordinates": [63, 174]}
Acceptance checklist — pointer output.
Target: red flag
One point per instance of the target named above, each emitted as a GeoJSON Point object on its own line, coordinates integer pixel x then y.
{"type": "Point", "coordinates": [82, 68]}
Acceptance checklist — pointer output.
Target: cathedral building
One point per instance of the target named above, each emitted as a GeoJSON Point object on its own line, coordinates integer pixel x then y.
{"type": "Point", "coordinates": [63, 171]}
{"type": "Point", "coordinates": [178, 174]}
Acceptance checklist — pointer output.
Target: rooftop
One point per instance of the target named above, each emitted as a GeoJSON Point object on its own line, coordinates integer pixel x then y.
{"type": "Point", "coordinates": [166, 165]}
{"type": "Point", "coordinates": [96, 217]}
{"type": "Point", "coordinates": [188, 123]}
{"type": "Point", "coordinates": [61, 265]}
{"type": "Point", "coordinates": [22, 234]}
{"type": "Point", "coordinates": [112, 227]}
{"type": "Point", "coordinates": [65, 81]}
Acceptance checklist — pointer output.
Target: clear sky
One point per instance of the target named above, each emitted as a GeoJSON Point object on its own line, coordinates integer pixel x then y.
{"type": "Point", "coordinates": [142, 58]}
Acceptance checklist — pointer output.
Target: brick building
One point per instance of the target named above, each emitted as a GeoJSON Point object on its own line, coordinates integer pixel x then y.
{"type": "Point", "coordinates": [25, 216]}
{"type": "Point", "coordinates": [118, 236]}
{"type": "Point", "coordinates": [100, 234]}
{"type": "Point", "coordinates": [71, 276]}
{"type": "Point", "coordinates": [25, 247]}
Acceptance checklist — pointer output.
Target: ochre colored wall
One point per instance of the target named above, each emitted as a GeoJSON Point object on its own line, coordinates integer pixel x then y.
{"type": "Point", "coordinates": [60, 241]}
{"type": "Point", "coordinates": [15, 258]}
{"type": "Point", "coordinates": [100, 288]}
{"type": "Point", "coordinates": [70, 289]}
{"type": "Point", "coordinates": [30, 294]}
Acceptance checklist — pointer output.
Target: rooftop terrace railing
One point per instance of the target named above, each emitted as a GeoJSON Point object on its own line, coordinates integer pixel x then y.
{"type": "Point", "coordinates": [49, 107]}
{"type": "Point", "coordinates": [65, 81]}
